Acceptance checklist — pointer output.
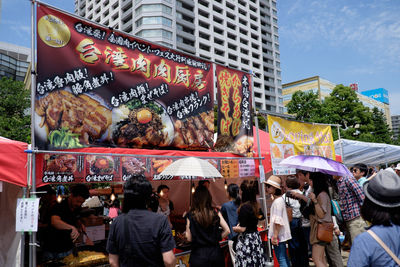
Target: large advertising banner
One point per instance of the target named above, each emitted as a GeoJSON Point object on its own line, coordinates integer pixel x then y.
{"type": "Point", "coordinates": [235, 126]}
{"type": "Point", "coordinates": [79, 168]}
{"type": "Point", "coordinates": [288, 138]}
{"type": "Point", "coordinates": [98, 87]}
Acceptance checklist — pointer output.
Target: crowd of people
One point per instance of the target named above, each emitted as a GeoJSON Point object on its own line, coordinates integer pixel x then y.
{"type": "Point", "coordinates": [140, 234]}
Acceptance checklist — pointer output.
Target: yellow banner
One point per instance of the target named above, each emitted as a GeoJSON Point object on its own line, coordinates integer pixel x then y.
{"type": "Point", "coordinates": [288, 138]}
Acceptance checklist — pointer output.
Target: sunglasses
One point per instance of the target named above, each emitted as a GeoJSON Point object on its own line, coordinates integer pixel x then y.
{"type": "Point", "coordinates": [268, 185]}
{"type": "Point", "coordinates": [354, 170]}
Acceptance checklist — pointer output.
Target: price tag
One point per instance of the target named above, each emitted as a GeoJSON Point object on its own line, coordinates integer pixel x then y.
{"type": "Point", "coordinates": [27, 215]}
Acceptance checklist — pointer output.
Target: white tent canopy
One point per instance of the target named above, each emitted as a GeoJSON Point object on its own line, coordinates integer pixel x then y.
{"type": "Point", "coordinates": [367, 153]}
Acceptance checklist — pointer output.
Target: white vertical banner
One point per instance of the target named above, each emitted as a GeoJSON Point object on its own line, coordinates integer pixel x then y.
{"type": "Point", "coordinates": [27, 215]}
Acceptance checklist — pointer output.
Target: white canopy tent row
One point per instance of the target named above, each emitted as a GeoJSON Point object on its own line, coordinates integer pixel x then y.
{"type": "Point", "coordinates": [353, 152]}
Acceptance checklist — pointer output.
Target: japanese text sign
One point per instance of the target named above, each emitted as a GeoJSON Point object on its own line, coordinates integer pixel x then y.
{"type": "Point", "coordinates": [99, 87]}
{"type": "Point", "coordinates": [235, 130]}
{"type": "Point", "coordinates": [27, 215]}
{"type": "Point", "coordinates": [288, 138]}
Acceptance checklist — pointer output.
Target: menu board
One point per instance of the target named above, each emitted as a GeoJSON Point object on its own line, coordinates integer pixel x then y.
{"type": "Point", "coordinates": [99, 87]}
{"type": "Point", "coordinates": [74, 168]}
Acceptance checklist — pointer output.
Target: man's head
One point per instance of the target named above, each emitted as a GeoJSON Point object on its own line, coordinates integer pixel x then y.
{"type": "Point", "coordinates": [397, 169]}
{"type": "Point", "coordinates": [303, 176]}
{"type": "Point", "coordinates": [360, 170]}
{"type": "Point", "coordinates": [79, 193]}
{"type": "Point", "coordinates": [163, 191]}
{"type": "Point", "coordinates": [137, 192]}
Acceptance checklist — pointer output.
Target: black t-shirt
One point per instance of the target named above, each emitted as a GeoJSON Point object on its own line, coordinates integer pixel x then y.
{"type": "Point", "coordinates": [139, 238]}
{"type": "Point", "coordinates": [205, 237]}
{"type": "Point", "coordinates": [60, 240]}
{"type": "Point", "coordinates": [247, 218]}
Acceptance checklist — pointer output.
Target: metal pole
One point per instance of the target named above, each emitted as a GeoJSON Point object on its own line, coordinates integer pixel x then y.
{"type": "Point", "coordinates": [261, 185]}
{"type": "Point", "coordinates": [340, 143]}
{"type": "Point", "coordinates": [32, 236]}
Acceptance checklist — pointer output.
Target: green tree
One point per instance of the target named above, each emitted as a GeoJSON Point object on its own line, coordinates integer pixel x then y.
{"type": "Point", "coordinates": [15, 119]}
{"type": "Point", "coordinates": [381, 131]}
{"type": "Point", "coordinates": [305, 105]}
{"type": "Point", "coordinates": [343, 107]}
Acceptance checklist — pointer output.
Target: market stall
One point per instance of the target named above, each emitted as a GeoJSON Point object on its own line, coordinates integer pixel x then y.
{"type": "Point", "coordinates": [13, 177]}
{"type": "Point", "coordinates": [374, 154]}
{"type": "Point", "coordinates": [119, 106]}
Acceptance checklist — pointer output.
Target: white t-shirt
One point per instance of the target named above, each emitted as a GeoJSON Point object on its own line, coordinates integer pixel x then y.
{"type": "Point", "coordinates": [294, 204]}
{"type": "Point", "coordinates": [278, 215]}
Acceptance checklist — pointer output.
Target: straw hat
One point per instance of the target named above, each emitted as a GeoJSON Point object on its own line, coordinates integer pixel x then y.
{"type": "Point", "coordinates": [274, 181]}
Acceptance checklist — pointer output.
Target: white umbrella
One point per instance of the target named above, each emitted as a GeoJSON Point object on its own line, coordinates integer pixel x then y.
{"type": "Point", "coordinates": [191, 167]}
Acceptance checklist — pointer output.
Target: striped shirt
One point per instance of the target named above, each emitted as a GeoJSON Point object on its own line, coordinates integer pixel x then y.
{"type": "Point", "coordinates": [351, 197]}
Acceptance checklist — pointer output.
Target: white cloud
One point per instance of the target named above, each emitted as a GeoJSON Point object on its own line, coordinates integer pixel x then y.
{"type": "Point", "coordinates": [371, 30]}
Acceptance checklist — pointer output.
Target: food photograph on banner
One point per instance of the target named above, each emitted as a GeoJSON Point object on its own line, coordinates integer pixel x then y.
{"type": "Point", "coordinates": [235, 126]}
{"type": "Point", "coordinates": [289, 138]}
{"type": "Point", "coordinates": [98, 87]}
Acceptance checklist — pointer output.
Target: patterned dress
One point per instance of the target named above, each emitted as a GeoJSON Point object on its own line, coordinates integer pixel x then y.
{"type": "Point", "coordinates": [249, 248]}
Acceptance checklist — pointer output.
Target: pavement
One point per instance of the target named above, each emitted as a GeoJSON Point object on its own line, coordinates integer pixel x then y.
{"type": "Point", "coordinates": [345, 257]}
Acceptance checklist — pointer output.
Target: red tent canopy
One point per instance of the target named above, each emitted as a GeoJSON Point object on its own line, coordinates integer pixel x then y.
{"type": "Point", "coordinates": [13, 162]}
{"type": "Point", "coordinates": [265, 150]}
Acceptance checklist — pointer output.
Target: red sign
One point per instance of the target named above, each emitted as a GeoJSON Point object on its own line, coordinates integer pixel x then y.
{"type": "Point", "coordinates": [354, 86]}
{"type": "Point", "coordinates": [235, 131]}
{"type": "Point", "coordinates": [98, 87]}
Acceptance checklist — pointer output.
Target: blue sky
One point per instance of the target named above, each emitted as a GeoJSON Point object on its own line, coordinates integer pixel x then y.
{"type": "Point", "coordinates": [342, 41]}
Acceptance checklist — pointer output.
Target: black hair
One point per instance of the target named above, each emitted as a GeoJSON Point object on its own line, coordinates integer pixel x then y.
{"type": "Point", "coordinates": [362, 167]}
{"type": "Point", "coordinates": [48, 189]}
{"type": "Point", "coordinates": [302, 171]}
{"type": "Point", "coordinates": [202, 182]}
{"type": "Point", "coordinates": [292, 182]}
{"type": "Point", "coordinates": [202, 209]}
{"type": "Point", "coordinates": [137, 192]}
{"type": "Point", "coordinates": [320, 182]}
{"type": "Point", "coordinates": [161, 187]}
{"type": "Point", "coordinates": [80, 190]}
{"type": "Point", "coordinates": [378, 215]}
{"type": "Point", "coordinates": [233, 192]}
{"type": "Point", "coordinates": [249, 194]}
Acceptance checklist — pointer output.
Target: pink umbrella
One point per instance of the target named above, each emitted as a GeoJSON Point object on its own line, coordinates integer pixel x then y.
{"type": "Point", "coordinates": [316, 164]}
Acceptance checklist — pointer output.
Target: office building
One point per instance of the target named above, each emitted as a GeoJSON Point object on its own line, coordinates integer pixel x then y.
{"type": "Point", "coordinates": [323, 88]}
{"type": "Point", "coordinates": [240, 34]}
{"type": "Point", "coordinates": [396, 126]}
{"type": "Point", "coordinates": [14, 61]}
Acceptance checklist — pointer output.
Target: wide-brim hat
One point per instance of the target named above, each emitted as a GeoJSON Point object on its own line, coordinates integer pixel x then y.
{"type": "Point", "coordinates": [274, 181]}
{"type": "Point", "coordinates": [384, 189]}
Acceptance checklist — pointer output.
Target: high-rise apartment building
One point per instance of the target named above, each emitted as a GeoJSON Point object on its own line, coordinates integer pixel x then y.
{"type": "Point", "coordinates": [14, 61]}
{"type": "Point", "coordinates": [241, 34]}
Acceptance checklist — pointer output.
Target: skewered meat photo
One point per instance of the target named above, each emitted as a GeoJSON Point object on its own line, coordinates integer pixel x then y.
{"type": "Point", "coordinates": [134, 166]}
{"type": "Point", "coordinates": [72, 121]}
{"type": "Point", "coordinates": [142, 125]}
{"type": "Point", "coordinates": [195, 131]}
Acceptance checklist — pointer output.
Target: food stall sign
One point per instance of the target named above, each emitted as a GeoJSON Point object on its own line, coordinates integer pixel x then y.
{"type": "Point", "coordinates": [288, 138]}
{"type": "Point", "coordinates": [235, 130]}
{"type": "Point", "coordinates": [100, 87]}
{"type": "Point", "coordinates": [27, 215]}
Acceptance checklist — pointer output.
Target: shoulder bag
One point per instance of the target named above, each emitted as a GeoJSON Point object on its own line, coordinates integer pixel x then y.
{"type": "Point", "coordinates": [325, 231]}
{"type": "Point", "coordinates": [383, 245]}
{"type": "Point", "coordinates": [289, 209]}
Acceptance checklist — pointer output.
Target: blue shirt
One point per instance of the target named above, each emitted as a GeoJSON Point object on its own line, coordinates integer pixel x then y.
{"type": "Point", "coordinates": [362, 180]}
{"type": "Point", "coordinates": [229, 212]}
{"type": "Point", "coordinates": [367, 252]}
